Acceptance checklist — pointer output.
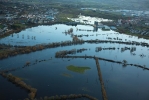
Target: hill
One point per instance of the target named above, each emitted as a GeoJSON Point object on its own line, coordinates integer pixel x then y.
{"type": "Point", "coordinates": [122, 4]}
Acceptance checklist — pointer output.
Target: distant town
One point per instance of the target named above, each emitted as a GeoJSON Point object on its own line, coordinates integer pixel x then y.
{"type": "Point", "coordinates": [15, 16]}
{"type": "Point", "coordinates": [18, 16]}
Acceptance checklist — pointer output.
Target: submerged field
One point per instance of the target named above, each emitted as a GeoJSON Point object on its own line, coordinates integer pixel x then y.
{"type": "Point", "coordinates": [52, 73]}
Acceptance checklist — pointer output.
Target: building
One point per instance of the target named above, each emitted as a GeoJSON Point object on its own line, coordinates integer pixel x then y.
{"type": "Point", "coordinates": [96, 24]}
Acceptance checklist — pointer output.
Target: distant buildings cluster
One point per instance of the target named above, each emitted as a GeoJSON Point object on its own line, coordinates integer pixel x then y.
{"type": "Point", "coordinates": [103, 27]}
{"type": "Point", "coordinates": [134, 25]}
{"type": "Point", "coordinates": [128, 21]}
{"type": "Point", "coordinates": [17, 13]}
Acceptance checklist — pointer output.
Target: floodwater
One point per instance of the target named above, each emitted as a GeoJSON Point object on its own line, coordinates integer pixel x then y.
{"type": "Point", "coordinates": [88, 19]}
{"type": "Point", "coordinates": [56, 33]}
{"type": "Point", "coordinates": [49, 75]}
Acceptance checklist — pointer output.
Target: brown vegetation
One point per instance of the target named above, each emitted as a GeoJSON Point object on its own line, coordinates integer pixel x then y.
{"type": "Point", "coordinates": [20, 83]}
{"type": "Point", "coordinates": [65, 97]}
{"type": "Point", "coordinates": [75, 38]}
{"type": "Point", "coordinates": [66, 52]}
{"type": "Point", "coordinates": [104, 95]}
{"type": "Point", "coordinates": [29, 49]}
{"type": "Point", "coordinates": [109, 60]}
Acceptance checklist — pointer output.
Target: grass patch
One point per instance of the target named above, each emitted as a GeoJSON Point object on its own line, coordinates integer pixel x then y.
{"type": "Point", "coordinates": [18, 26]}
{"type": "Point", "coordinates": [67, 13]}
{"type": "Point", "coordinates": [126, 31]}
{"type": "Point", "coordinates": [77, 69]}
{"type": "Point", "coordinates": [63, 17]}
{"type": "Point", "coordinates": [101, 14]}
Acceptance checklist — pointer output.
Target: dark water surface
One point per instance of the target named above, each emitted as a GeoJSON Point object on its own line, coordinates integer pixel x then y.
{"type": "Point", "coordinates": [51, 77]}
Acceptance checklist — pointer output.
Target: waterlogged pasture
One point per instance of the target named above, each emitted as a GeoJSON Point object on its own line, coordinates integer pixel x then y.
{"type": "Point", "coordinates": [59, 76]}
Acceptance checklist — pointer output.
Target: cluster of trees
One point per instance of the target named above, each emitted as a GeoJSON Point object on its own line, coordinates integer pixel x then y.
{"type": "Point", "coordinates": [17, 26]}
{"type": "Point", "coordinates": [97, 49]}
{"type": "Point", "coordinates": [124, 63]}
{"type": "Point", "coordinates": [66, 52]}
{"type": "Point", "coordinates": [84, 30]}
{"type": "Point", "coordinates": [119, 42]}
{"type": "Point", "coordinates": [70, 30]}
{"type": "Point", "coordinates": [132, 49]}
{"type": "Point", "coordinates": [29, 49]}
{"type": "Point", "coordinates": [75, 38]}
{"type": "Point", "coordinates": [117, 38]}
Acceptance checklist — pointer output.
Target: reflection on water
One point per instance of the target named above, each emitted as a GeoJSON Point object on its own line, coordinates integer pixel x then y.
{"type": "Point", "coordinates": [48, 34]}
{"type": "Point", "coordinates": [51, 77]}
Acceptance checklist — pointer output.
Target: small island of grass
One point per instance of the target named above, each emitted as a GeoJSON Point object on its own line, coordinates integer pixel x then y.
{"type": "Point", "coordinates": [77, 69]}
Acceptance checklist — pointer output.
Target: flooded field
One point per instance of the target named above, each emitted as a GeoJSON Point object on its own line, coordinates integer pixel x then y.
{"type": "Point", "coordinates": [88, 19]}
{"type": "Point", "coordinates": [58, 33]}
{"type": "Point", "coordinates": [59, 75]}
